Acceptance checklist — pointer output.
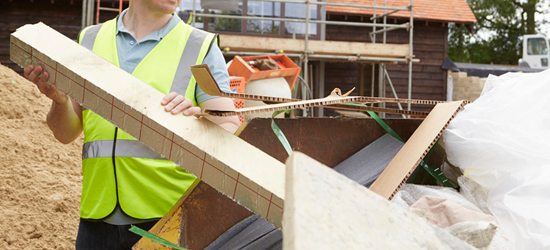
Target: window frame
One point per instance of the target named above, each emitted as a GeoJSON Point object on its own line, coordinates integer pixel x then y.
{"type": "Point", "coordinates": [244, 30]}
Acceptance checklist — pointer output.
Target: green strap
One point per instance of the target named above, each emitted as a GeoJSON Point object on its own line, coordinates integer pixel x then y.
{"type": "Point", "coordinates": [154, 238]}
{"type": "Point", "coordinates": [380, 121]}
{"type": "Point", "coordinates": [385, 126]}
{"type": "Point", "coordinates": [279, 133]}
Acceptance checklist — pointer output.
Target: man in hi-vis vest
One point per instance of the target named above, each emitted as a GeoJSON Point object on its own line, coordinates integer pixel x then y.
{"type": "Point", "coordinates": [124, 181]}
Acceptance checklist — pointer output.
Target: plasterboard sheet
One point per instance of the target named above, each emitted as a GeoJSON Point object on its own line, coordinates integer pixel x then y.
{"type": "Point", "coordinates": [224, 161]}
{"type": "Point", "coordinates": [326, 210]}
{"type": "Point", "coordinates": [368, 163]}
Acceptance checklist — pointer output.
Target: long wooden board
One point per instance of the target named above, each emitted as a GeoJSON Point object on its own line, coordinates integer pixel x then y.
{"type": "Point", "coordinates": [270, 44]}
{"type": "Point", "coordinates": [222, 160]}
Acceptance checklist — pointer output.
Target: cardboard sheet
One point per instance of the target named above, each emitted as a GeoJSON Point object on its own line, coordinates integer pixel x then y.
{"type": "Point", "coordinates": [224, 161]}
{"type": "Point", "coordinates": [208, 84]}
{"type": "Point", "coordinates": [415, 149]}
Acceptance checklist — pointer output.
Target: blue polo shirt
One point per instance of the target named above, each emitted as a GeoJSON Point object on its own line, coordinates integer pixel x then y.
{"type": "Point", "coordinates": [131, 52]}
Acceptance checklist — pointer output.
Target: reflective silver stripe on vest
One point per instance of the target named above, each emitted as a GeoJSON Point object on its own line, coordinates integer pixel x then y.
{"type": "Point", "coordinates": [88, 39]}
{"type": "Point", "coordinates": [124, 148]}
{"type": "Point", "coordinates": [188, 58]}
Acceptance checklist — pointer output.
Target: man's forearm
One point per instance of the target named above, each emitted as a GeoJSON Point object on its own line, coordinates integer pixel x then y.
{"type": "Point", "coordinates": [230, 126]}
{"type": "Point", "coordinates": [229, 123]}
{"type": "Point", "coordinates": [64, 121]}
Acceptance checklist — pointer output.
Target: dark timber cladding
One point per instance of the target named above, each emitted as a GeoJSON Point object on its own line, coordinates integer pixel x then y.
{"type": "Point", "coordinates": [64, 16]}
{"type": "Point", "coordinates": [429, 45]}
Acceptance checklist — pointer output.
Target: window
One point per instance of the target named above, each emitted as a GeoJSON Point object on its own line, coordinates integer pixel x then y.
{"type": "Point", "coordinates": [536, 46]}
{"type": "Point", "coordinates": [216, 24]}
{"type": "Point", "coordinates": [298, 11]}
{"type": "Point", "coordinates": [261, 9]}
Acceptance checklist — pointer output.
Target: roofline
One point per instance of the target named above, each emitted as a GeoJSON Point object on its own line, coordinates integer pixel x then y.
{"type": "Point", "coordinates": [470, 23]}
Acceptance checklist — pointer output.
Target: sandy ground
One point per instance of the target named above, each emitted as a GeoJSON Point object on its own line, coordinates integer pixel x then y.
{"type": "Point", "coordinates": [40, 178]}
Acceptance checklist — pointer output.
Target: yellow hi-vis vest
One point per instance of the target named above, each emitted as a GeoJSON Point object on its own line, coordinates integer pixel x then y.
{"type": "Point", "coordinates": [118, 169]}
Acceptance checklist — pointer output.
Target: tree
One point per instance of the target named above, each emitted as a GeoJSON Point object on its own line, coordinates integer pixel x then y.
{"type": "Point", "coordinates": [497, 36]}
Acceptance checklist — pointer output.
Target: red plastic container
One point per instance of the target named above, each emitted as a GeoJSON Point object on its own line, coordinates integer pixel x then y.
{"type": "Point", "coordinates": [236, 84]}
{"type": "Point", "coordinates": [287, 68]}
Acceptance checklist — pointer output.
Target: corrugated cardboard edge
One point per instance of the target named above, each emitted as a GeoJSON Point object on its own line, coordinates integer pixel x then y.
{"type": "Point", "coordinates": [206, 81]}
{"type": "Point", "coordinates": [415, 149]}
{"type": "Point", "coordinates": [222, 160]}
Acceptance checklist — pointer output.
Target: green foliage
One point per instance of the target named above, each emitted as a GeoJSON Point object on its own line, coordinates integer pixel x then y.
{"type": "Point", "coordinates": [498, 34]}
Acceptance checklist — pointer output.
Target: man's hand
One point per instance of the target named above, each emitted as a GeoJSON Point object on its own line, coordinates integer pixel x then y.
{"type": "Point", "coordinates": [176, 104]}
{"type": "Point", "coordinates": [33, 73]}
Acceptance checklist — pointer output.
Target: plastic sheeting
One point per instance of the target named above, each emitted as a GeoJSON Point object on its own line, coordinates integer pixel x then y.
{"type": "Point", "coordinates": [502, 142]}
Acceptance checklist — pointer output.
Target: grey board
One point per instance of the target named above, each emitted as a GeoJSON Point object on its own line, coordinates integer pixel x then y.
{"type": "Point", "coordinates": [252, 233]}
{"type": "Point", "coordinates": [367, 164]}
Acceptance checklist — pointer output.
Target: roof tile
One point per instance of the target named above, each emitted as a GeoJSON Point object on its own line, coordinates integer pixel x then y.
{"type": "Point", "coordinates": [437, 10]}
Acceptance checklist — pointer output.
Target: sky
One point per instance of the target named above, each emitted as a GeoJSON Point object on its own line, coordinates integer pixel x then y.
{"type": "Point", "coordinates": [545, 29]}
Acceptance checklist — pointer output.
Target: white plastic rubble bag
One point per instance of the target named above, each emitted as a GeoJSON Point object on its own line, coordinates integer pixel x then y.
{"type": "Point", "coordinates": [495, 139]}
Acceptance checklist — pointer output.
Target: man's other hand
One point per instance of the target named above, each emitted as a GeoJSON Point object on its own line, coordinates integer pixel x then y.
{"type": "Point", "coordinates": [176, 104]}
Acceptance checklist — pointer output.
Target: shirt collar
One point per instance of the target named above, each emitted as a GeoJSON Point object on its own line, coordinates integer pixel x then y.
{"type": "Point", "coordinates": [155, 36]}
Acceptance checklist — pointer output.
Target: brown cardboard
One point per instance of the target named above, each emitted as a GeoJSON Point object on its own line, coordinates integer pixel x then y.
{"type": "Point", "coordinates": [415, 149]}
{"type": "Point", "coordinates": [206, 81]}
{"type": "Point", "coordinates": [224, 161]}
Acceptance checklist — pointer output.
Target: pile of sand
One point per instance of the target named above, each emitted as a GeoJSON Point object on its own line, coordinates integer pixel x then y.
{"type": "Point", "coordinates": [40, 178]}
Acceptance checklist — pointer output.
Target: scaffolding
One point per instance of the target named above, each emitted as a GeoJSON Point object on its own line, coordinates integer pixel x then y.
{"type": "Point", "coordinates": [305, 56]}
{"type": "Point", "coordinates": [88, 10]}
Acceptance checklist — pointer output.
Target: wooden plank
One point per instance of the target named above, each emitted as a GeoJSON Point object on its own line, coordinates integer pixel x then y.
{"type": "Point", "coordinates": [420, 143]}
{"type": "Point", "coordinates": [206, 150]}
{"type": "Point", "coordinates": [265, 44]}
{"type": "Point", "coordinates": [326, 210]}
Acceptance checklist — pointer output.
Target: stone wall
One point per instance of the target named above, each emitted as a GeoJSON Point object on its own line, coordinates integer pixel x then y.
{"type": "Point", "coordinates": [466, 87]}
